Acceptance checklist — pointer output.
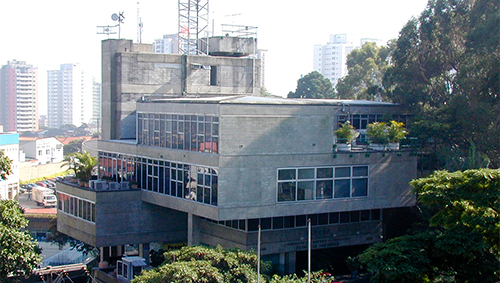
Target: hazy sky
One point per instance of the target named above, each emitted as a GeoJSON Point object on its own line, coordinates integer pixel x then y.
{"type": "Point", "coordinates": [52, 32]}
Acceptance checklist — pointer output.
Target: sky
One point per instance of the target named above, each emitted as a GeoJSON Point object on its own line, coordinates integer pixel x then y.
{"type": "Point", "coordinates": [49, 33]}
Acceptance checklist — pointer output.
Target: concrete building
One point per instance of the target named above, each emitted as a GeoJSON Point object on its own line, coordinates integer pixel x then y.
{"type": "Point", "coordinates": [42, 150]}
{"type": "Point", "coordinates": [191, 154]}
{"type": "Point", "coordinates": [69, 94]}
{"type": "Point", "coordinates": [19, 97]}
{"type": "Point", "coordinates": [9, 144]}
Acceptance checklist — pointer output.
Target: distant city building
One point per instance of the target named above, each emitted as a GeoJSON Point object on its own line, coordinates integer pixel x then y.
{"type": "Point", "coordinates": [96, 103]}
{"type": "Point", "coordinates": [261, 54]}
{"type": "Point", "coordinates": [9, 144]}
{"type": "Point", "coordinates": [19, 97]}
{"type": "Point", "coordinates": [69, 94]}
{"type": "Point", "coordinates": [330, 59]}
{"type": "Point", "coordinates": [43, 121]}
{"type": "Point", "coordinates": [169, 43]}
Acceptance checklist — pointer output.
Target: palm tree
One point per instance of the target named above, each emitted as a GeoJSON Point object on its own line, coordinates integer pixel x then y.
{"type": "Point", "coordinates": [82, 164]}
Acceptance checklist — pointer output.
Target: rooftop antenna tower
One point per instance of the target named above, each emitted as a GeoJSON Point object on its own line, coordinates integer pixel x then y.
{"type": "Point", "coordinates": [139, 26]}
{"type": "Point", "coordinates": [193, 27]}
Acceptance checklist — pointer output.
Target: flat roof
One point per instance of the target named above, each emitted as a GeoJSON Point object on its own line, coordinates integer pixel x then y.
{"type": "Point", "coordinates": [242, 99]}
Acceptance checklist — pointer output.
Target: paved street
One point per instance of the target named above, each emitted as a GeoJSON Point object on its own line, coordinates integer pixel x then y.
{"type": "Point", "coordinates": [30, 206]}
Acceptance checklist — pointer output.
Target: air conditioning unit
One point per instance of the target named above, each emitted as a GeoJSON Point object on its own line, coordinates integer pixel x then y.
{"type": "Point", "coordinates": [125, 185]}
{"type": "Point", "coordinates": [114, 185]}
{"type": "Point", "coordinates": [98, 185]}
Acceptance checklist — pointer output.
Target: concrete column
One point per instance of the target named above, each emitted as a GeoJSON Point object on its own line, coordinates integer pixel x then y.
{"type": "Point", "coordinates": [290, 262]}
{"type": "Point", "coordinates": [281, 268]}
{"type": "Point", "coordinates": [190, 229]}
{"type": "Point", "coordinates": [193, 232]}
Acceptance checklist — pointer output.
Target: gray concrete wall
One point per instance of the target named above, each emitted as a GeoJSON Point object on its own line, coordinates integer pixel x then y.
{"type": "Point", "coordinates": [122, 218]}
{"type": "Point", "coordinates": [130, 71]}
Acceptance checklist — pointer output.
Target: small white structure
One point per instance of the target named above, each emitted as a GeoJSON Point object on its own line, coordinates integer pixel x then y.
{"type": "Point", "coordinates": [9, 144]}
{"type": "Point", "coordinates": [43, 150]}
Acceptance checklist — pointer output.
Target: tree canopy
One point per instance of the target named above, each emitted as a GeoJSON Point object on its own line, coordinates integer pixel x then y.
{"type": "Point", "coordinates": [445, 68]}
{"type": "Point", "coordinates": [204, 264]}
{"type": "Point", "coordinates": [5, 166]}
{"type": "Point", "coordinates": [461, 241]}
{"type": "Point", "coordinates": [18, 252]}
{"type": "Point", "coordinates": [313, 85]}
{"type": "Point", "coordinates": [366, 67]}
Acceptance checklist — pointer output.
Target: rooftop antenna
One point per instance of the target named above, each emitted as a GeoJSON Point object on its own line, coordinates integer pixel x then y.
{"type": "Point", "coordinates": [139, 25]}
{"type": "Point", "coordinates": [118, 17]}
{"type": "Point", "coordinates": [193, 27]}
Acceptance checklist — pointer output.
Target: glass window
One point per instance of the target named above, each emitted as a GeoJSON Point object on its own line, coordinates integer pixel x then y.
{"type": "Point", "coordinates": [265, 223]}
{"type": "Point", "coordinates": [286, 174]}
{"type": "Point", "coordinates": [360, 171]}
{"type": "Point", "coordinates": [306, 173]}
{"type": "Point", "coordinates": [278, 222]}
{"type": "Point", "coordinates": [305, 190]}
{"type": "Point", "coordinates": [342, 172]}
{"type": "Point", "coordinates": [301, 220]}
{"type": "Point", "coordinates": [342, 188]}
{"type": "Point", "coordinates": [325, 173]}
{"type": "Point", "coordinates": [286, 191]}
{"type": "Point", "coordinates": [333, 218]}
{"type": "Point", "coordinates": [324, 189]}
{"type": "Point", "coordinates": [360, 187]}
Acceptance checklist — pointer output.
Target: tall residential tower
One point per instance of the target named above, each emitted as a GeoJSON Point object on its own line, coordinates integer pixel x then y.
{"type": "Point", "coordinates": [18, 97]}
{"type": "Point", "coordinates": [330, 59]}
{"type": "Point", "coordinates": [69, 94]}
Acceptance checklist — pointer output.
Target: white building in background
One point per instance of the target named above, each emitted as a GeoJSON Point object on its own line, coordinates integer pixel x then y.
{"type": "Point", "coordinates": [330, 59]}
{"type": "Point", "coordinates": [9, 144]}
{"type": "Point", "coordinates": [261, 54]}
{"type": "Point", "coordinates": [96, 103]}
{"type": "Point", "coordinates": [43, 150]}
{"type": "Point", "coordinates": [169, 43]}
{"type": "Point", "coordinates": [69, 93]}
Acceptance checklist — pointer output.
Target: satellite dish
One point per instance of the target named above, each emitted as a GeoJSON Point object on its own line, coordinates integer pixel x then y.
{"type": "Point", "coordinates": [114, 17]}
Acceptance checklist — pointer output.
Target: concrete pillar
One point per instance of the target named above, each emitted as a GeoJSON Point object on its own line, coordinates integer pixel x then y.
{"type": "Point", "coordinates": [290, 262]}
{"type": "Point", "coordinates": [192, 231]}
{"type": "Point", "coordinates": [281, 268]}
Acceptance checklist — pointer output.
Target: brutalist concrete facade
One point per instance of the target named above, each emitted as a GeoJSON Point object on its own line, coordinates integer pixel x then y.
{"type": "Point", "coordinates": [254, 142]}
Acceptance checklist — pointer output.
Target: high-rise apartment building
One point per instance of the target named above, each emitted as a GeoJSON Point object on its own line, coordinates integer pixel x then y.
{"type": "Point", "coordinates": [169, 43]}
{"type": "Point", "coordinates": [330, 59]}
{"type": "Point", "coordinates": [96, 103]}
{"type": "Point", "coordinates": [18, 97]}
{"type": "Point", "coordinates": [69, 94]}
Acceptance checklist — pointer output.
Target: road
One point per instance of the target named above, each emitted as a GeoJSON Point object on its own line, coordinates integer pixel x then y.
{"type": "Point", "coordinates": [30, 206]}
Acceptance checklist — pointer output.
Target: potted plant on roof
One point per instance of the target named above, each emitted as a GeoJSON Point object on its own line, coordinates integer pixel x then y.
{"type": "Point", "coordinates": [344, 136]}
{"type": "Point", "coordinates": [82, 164]}
{"type": "Point", "coordinates": [395, 132]}
{"type": "Point", "coordinates": [377, 134]}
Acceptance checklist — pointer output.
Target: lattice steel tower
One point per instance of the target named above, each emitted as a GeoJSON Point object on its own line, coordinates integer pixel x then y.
{"type": "Point", "coordinates": [193, 27]}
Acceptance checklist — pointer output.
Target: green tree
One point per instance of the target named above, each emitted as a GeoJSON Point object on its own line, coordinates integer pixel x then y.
{"type": "Point", "coordinates": [5, 166]}
{"type": "Point", "coordinates": [204, 264]}
{"type": "Point", "coordinates": [73, 146]}
{"type": "Point", "coordinates": [461, 243]}
{"type": "Point", "coordinates": [313, 85]}
{"type": "Point", "coordinates": [445, 69]}
{"type": "Point", "coordinates": [82, 164]}
{"type": "Point", "coordinates": [366, 67]}
{"type": "Point", "coordinates": [18, 251]}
